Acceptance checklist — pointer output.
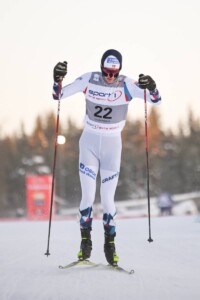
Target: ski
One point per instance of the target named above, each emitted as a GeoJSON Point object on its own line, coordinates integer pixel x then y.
{"type": "Point", "coordinates": [78, 263]}
{"type": "Point", "coordinates": [92, 264]}
{"type": "Point", "coordinates": [117, 269]}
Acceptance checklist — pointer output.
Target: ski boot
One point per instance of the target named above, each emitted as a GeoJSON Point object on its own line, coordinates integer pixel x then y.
{"type": "Point", "coordinates": [109, 249]}
{"type": "Point", "coordinates": [86, 244]}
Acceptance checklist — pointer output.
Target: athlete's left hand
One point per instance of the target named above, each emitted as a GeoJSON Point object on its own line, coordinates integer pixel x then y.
{"type": "Point", "coordinates": [146, 82]}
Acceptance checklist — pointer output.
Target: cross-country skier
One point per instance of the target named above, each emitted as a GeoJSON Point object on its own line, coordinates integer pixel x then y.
{"type": "Point", "coordinates": [107, 95]}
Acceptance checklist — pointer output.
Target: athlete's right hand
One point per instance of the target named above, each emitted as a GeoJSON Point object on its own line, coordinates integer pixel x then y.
{"type": "Point", "coordinates": [59, 71]}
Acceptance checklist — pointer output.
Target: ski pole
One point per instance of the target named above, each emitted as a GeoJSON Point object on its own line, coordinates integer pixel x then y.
{"type": "Point", "coordinates": [53, 177]}
{"type": "Point", "coordinates": [147, 164]}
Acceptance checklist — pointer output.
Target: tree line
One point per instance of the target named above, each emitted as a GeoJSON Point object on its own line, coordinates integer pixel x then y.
{"type": "Point", "coordinates": [174, 160]}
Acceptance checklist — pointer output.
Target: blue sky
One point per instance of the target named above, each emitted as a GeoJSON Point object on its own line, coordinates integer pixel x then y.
{"type": "Point", "coordinates": [159, 38]}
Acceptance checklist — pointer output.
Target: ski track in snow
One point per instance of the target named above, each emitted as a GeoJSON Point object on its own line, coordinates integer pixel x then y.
{"type": "Point", "coordinates": [167, 269]}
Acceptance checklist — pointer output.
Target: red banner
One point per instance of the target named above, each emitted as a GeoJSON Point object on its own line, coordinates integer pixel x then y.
{"type": "Point", "coordinates": [38, 197]}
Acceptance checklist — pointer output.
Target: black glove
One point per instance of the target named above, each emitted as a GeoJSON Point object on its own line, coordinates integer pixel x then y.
{"type": "Point", "coordinates": [146, 82]}
{"type": "Point", "coordinates": [59, 71]}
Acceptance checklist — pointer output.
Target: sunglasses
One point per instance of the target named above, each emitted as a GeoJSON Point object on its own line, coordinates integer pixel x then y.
{"type": "Point", "coordinates": [110, 72]}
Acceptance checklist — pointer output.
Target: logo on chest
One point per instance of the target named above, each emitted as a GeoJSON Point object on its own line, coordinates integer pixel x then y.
{"type": "Point", "coordinates": [114, 96]}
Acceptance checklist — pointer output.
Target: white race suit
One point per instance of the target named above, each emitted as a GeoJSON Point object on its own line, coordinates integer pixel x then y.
{"type": "Point", "coordinates": [100, 142]}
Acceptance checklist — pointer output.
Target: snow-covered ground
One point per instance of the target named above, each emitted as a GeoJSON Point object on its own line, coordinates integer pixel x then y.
{"type": "Point", "coordinates": [167, 269]}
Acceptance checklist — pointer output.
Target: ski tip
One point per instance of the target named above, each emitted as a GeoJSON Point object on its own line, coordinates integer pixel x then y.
{"type": "Point", "coordinates": [120, 269]}
{"type": "Point", "coordinates": [60, 267]}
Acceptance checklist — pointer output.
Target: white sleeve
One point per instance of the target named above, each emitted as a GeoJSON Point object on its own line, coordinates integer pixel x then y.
{"type": "Point", "coordinates": [79, 85]}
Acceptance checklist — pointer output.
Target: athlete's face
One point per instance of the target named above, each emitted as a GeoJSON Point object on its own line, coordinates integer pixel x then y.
{"type": "Point", "coordinates": [110, 74]}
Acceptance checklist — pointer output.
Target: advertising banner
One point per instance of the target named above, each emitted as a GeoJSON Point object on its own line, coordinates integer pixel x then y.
{"type": "Point", "coordinates": [38, 197]}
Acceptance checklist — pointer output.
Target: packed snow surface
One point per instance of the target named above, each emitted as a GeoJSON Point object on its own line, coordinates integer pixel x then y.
{"type": "Point", "coordinates": [167, 269]}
